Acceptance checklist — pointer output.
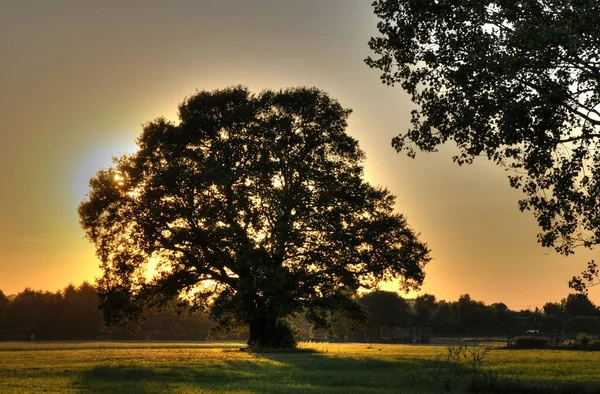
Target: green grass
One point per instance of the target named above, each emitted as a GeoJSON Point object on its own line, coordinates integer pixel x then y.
{"type": "Point", "coordinates": [172, 367]}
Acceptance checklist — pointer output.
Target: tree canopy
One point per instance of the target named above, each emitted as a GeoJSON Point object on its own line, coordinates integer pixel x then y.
{"type": "Point", "coordinates": [254, 206]}
{"type": "Point", "coordinates": [515, 81]}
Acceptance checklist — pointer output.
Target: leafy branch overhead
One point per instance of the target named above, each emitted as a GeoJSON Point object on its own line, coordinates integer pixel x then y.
{"type": "Point", "coordinates": [515, 81]}
{"type": "Point", "coordinates": [255, 206]}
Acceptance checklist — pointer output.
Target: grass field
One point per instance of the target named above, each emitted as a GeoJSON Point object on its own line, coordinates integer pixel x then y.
{"type": "Point", "coordinates": [150, 367]}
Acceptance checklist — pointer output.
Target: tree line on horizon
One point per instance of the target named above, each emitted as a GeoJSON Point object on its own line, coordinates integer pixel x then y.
{"type": "Point", "coordinates": [73, 314]}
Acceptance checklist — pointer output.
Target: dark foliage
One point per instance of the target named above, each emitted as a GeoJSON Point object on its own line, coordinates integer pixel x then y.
{"type": "Point", "coordinates": [517, 82]}
{"type": "Point", "coordinates": [529, 342]}
{"type": "Point", "coordinates": [387, 309]}
{"type": "Point", "coordinates": [424, 308]}
{"type": "Point", "coordinates": [73, 314]}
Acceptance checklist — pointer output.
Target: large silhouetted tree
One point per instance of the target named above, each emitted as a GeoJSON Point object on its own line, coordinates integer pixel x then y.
{"type": "Point", "coordinates": [516, 81]}
{"type": "Point", "coordinates": [255, 205]}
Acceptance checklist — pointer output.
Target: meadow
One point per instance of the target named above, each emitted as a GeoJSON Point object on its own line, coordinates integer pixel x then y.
{"type": "Point", "coordinates": [221, 367]}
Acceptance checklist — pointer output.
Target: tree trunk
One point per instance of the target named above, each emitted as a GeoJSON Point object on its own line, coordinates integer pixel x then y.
{"type": "Point", "coordinates": [268, 331]}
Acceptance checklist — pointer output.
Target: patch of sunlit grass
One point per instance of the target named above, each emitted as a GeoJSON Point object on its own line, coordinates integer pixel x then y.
{"type": "Point", "coordinates": [221, 367]}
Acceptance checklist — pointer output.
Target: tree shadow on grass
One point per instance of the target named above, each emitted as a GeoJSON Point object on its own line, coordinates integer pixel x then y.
{"type": "Point", "coordinates": [287, 372]}
{"type": "Point", "coordinates": [418, 376]}
{"type": "Point", "coordinates": [302, 372]}
{"type": "Point", "coordinates": [224, 376]}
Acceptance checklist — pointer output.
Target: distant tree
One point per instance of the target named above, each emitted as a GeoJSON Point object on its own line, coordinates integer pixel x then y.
{"type": "Point", "coordinates": [35, 311]}
{"type": "Point", "coordinates": [446, 320]}
{"type": "Point", "coordinates": [469, 316]}
{"type": "Point", "coordinates": [518, 82]}
{"type": "Point", "coordinates": [4, 301]}
{"type": "Point", "coordinates": [502, 323]}
{"type": "Point", "coordinates": [554, 309]}
{"type": "Point", "coordinates": [255, 205]}
{"type": "Point", "coordinates": [70, 312]}
{"type": "Point", "coordinates": [587, 324]}
{"type": "Point", "coordinates": [424, 308]}
{"type": "Point", "coordinates": [385, 308]}
{"type": "Point", "coordinates": [552, 324]}
{"type": "Point", "coordinates": [578, 305]}
{"type": "Point", "coordinates": [80, 318]}
{"type": "Point", "coordinates": [475, 317]}
{"type": "Point", "coordinates": [526, 319]}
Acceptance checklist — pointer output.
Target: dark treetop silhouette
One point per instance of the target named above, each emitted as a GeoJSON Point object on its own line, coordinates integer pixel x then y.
{"type": "Point", "coordinates": [255, 206]}
{"type": "Point", "coordinates": [516, 81]}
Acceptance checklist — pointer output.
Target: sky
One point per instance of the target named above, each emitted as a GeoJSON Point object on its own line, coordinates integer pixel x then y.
{"type": "Point", "coordinates": [79, 78]}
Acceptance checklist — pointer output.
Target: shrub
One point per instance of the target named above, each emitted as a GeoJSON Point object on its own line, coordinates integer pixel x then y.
{"type": "Point", "coordinates": [528, 342]}
{"type": "Point", "coordinates": [584, 342]}
{"type": "Point", "coordinates": [582, 339]}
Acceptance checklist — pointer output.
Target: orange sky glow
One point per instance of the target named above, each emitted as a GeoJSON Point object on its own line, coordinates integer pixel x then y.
{"type": "Point", "coordinates": [78, 79]}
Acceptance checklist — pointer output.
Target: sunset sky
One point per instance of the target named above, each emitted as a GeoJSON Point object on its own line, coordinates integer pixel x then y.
{"type": "Point", "coordinates": [78, 78]}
